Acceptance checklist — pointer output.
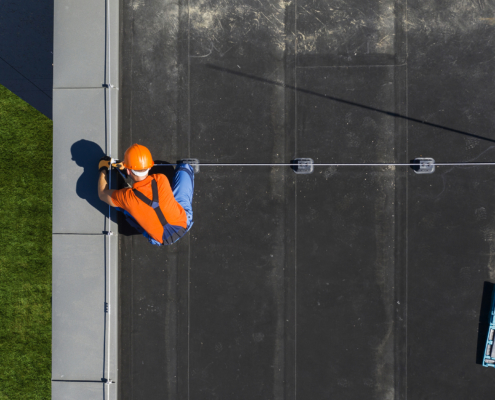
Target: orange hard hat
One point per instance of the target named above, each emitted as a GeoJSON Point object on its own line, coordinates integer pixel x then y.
{"type": "Point", "coordinates": [138, 157]}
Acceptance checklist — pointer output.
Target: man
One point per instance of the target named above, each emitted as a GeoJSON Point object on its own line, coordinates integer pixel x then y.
{"type": "Point", "coordinates": [162, 213]}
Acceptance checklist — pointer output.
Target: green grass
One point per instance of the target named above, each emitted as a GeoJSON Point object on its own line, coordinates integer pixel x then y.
{"type": "Point", "coordinates": [26, 249]}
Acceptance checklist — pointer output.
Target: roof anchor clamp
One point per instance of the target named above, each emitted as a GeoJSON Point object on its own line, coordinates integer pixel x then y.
{"type": "Point", "coordinates": [193, 162]}
{"type": "Point", "coordinates": [302, 165]}
{"type": "Point", "coordinates": [423, 165]}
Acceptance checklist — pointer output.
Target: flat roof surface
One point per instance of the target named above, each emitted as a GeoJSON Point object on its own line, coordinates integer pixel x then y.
{"type": "Point", "coordinates": [348, 283]}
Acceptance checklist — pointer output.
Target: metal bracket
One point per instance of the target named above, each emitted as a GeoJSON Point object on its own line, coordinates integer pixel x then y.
{"type": "Point", "coordinates": [107, 85]}
{"type": "Point", "coordinates": [107, 308]}
{"type": "Point", "coordinates": [424, 165]}
{"type": "Point", "coordinates": [302, 165]}
{"type": "Point", "coordinates": [193, 162]}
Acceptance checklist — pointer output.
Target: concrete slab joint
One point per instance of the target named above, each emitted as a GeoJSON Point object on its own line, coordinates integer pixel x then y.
{"type": "Point", "coordinates": [85, 248]}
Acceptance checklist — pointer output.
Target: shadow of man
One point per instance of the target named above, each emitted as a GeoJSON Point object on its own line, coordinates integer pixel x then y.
{"type": "Point", "coordinates": [86, 155]}
{"type": "Point", "coordinates": [164, 168]}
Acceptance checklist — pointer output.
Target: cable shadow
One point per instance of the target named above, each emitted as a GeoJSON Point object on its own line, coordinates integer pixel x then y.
{"type": "Point", "coordinates": [484, 321]}
{"type": "Point", "coordinates": [351, 103]}
{"type": "Point", "coordinates": [107, 300]}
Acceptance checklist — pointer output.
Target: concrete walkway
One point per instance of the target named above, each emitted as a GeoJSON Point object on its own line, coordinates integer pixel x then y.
{"type": "Point", "coordinates": [85, 250]}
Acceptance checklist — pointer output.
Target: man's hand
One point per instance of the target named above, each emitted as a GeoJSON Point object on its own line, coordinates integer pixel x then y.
{"type": "Point", "coordinates": [104, 163]}
{"type": "Point", "coordinates": [118, 164]}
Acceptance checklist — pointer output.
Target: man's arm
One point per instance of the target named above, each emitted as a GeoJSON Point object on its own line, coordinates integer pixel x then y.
{"type": "Point", "coordinates": [104, 193]}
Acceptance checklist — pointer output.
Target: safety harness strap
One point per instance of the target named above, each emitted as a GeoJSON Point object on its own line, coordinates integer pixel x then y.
{"type": "Point", "coordinates": [154, 203]}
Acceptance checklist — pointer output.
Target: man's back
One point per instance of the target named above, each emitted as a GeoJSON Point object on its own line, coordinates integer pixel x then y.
{"type": "Point", "coordinates": [145, 215]}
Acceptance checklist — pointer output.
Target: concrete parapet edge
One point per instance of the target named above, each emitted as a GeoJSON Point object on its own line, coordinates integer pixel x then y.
{"type": "Point", "coordinates": [86, 64]}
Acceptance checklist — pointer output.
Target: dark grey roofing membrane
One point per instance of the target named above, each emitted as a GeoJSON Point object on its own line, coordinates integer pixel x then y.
{"type": "Point", "coordinates": [346, 283]}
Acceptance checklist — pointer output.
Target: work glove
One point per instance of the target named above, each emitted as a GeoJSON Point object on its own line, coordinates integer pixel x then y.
{"type": "Point", "coordinates": [104, 163]}
{"type": "Point", "coordinates": [118, 164]}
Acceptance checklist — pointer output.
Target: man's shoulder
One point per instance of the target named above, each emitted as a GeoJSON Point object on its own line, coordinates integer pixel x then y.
{"type": "Point", "coordinates": [121, 196]}
{"type": "Point", "coordinates": [158, 176]}
{"type": "Point", "coordinates": [123, 193]}
{"type": "Point", "coordinates": [160, 179]}
{"type": "Point", "coordinates": [124, 190]}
